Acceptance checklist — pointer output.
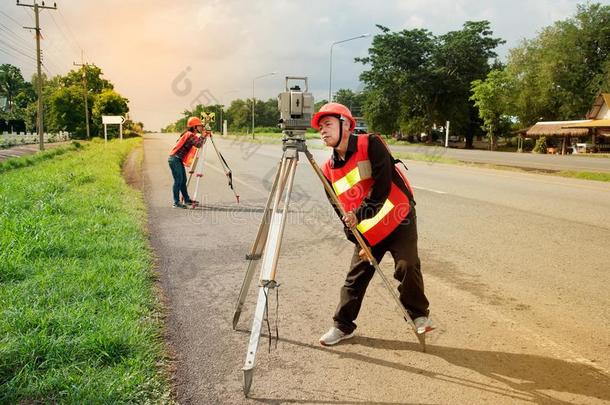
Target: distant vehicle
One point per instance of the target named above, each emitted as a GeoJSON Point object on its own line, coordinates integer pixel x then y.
{"type": "Point", "coordinates": [361, 127]}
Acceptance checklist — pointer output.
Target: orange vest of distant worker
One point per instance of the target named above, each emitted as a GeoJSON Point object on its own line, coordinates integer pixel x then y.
{"type": "Point", "coordinates": [190, 155]}
{"type": "Point", "coordinates": [352, 183]}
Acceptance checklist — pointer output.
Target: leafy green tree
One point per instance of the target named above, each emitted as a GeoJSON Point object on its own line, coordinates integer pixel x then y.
{"type": "Point", "coordinates": [558, 73]}
{"type": "Point", "coordinates": [239, 114]}
{"type": "Point", "coordinates": [93, 74]}
{"type": "Point", "coordinates": [398, 83]}
{"type": "Point", "coordinates": [492, 97]}
{"type": "Point", "coordinates": [66, 111]}
{"type": "Point", "coordinates": [417, 80]}
{"type": "Point", "coordinates": [319, 105]}
{"type": "Point", "coordinates": [108, 102]}
{"type": "Point", "coordinates": [11, 84]}
{"type": "Point", "coordinates": [267, 113]}
{"type": "Point", "coordinates": [460, 58]}
{"type": "Point", "coordinates": [381, 112]}
{"type": "Point", "coordinates": [353, 101]}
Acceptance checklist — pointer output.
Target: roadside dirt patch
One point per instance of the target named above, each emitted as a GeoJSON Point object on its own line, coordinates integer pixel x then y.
{"type": "Point", "coordinates": [132, 168]}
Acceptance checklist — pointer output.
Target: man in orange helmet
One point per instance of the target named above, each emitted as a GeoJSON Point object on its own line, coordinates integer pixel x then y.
{"type": "Point", "coordinates": [378, 201]}
{"type": "Point", "coordinates": [179, 153]}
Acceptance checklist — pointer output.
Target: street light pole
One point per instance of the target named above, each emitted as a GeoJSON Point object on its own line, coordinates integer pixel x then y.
{"type": "Point", "coordinates": [330, 73]}
{"type": "Point", "coordinates": [254, 100]}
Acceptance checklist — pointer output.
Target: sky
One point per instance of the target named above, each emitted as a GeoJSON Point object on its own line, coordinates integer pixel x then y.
{"type": "Point", "coordinates": [166, 57]}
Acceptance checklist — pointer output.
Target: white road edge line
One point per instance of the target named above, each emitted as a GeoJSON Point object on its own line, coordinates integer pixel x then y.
{"type": "Point", "coordinates": [430, 190]}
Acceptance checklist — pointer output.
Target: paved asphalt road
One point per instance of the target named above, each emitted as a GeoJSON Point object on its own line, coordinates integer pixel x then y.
{"type": "Point", "coordinates": [587, 163]}
{"type": "Point", "coordinates": [516, 269]}
{"type": "Point", "coordinates": [23, 150]}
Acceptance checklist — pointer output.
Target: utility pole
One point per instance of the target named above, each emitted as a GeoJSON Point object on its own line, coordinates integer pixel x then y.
{"type": "Point", "coordinates": [37, 8]}
{"type": "Point", "coordinates": [84, 66]}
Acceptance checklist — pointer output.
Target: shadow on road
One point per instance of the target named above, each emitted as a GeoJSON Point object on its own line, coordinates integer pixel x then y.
{"type": "Point", "coordinates": [237, 208]}
{"type": "Point", "coordinates": [528, 376]}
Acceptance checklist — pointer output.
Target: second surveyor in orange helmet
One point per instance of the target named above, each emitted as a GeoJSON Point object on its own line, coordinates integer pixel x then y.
{"type": "Point", "coordinates": [379, 204]}
{"type": "Point", "coordinates": [180, 155]}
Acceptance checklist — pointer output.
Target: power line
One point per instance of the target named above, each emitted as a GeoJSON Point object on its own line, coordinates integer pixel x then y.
{"type": "Point", "coordinates": [47, 70]}
{"type": "Point", "coordinates": [16, 40]}
{"type": "Point", "coordinates": [14, 36]}
{"type": "Point", "coordinates": [15, 44]}
{"type": "Point", "coordinates": [17, 50]}
{"type": "Point", "coordinates": [27, 15]}
{"type": "Point", "coordinates": [61, 15]}
{"type": "Point", "coordinates": [11, 18]}
{"type": "Point", "coordinates": [51, 63]}
{"type": "Point", "coordinates": [16, 56]}
{"type": "Point", "coordinates": [63, 34]}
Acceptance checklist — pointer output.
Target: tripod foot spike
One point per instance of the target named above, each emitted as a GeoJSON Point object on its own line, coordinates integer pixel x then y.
{"type": "Point", "coordinates": [236, 316]}
{"type": "Point", "coordinates": [422, 341]}
{"type": "Point", "coordinates": [248, 374]}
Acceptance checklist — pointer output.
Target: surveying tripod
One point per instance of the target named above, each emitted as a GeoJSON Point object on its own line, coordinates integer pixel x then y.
{"type": "Point", "coordinates": [197, 168]}
{"type": "Point", "coordinates": [268, 242]}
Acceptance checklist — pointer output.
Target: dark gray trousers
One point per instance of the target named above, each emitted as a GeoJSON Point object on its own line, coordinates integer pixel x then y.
{"type": "Point", "coordinates": [402, 244]}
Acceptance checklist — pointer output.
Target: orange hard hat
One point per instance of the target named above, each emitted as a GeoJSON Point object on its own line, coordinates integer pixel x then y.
{"type": "Point", "coordinates": [193, 122]}
{"type": "Point", "coordinates": [335, 109]}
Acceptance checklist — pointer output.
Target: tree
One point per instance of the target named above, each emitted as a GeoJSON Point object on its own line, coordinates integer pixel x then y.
{"type": "Point", "coordinates": [417, 80]}
{"type": "Point", "coordinates": [552, 83]}
{"type": "Point", "coordinates": [66, 112]}
{"type": "Point", "coordinates": [11, 84]}
{"type": "Point", "coordinates": [108, 102]}
{"type": "Point", "coordinates": [460, 58]}
{"type": "Point", "coordinates": [492, 98]}
{"type": "Point", "coordinates": [397, 83]}
{"type": "Point", "coordinates": [239, 114]}
{"type": "Point", "coordinates": [351, 100]}
{"type": "Point", "coordinates": [93, 74]}
{"type": "Point", "coordinates": [319, 105]}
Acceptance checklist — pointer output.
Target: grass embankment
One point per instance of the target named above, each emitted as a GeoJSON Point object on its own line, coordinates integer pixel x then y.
{"type": "Point", "coordinates": [597, 176]}
{"type": "Point", "coordinates": [79, 322]}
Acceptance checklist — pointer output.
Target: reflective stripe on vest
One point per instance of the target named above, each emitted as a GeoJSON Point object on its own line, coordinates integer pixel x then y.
{"type": "Point", "coordinates": [352, 183]}
{"type": "Point", "coordinates": [366, 224]}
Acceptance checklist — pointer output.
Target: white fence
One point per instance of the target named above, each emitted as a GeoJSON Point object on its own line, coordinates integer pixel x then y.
{"type": "Point", "coordinates": [8, 139]}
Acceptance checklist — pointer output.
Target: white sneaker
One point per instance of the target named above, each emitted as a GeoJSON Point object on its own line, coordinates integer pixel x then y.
{"type": "Point", "coordinates": [334, 336]}
{"type": "Point", "coordinates": [423, 324]}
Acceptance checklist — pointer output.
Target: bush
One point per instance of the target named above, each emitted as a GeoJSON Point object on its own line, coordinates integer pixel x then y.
{"type": "Point", "coordinates": [258, 130]}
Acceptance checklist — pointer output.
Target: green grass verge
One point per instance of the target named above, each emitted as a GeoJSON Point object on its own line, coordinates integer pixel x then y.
{"type": "Point", "coordinates": [426, 157]}
{"type": "Point", "coordinates": [585, 175]}
{"type": "Point", "coordinates": [265, 137]}
{"type": "Point", "coordinates": [79, 321]}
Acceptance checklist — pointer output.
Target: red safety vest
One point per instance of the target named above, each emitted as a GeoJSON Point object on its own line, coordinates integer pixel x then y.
{"type": "Point", "coordinates": [352, 183]}
{"type": "Point", "coordinates": [190, 155]}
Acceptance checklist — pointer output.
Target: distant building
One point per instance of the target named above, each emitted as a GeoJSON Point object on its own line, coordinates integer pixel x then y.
{"type": "Point", "coordinates": [589, 135]}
